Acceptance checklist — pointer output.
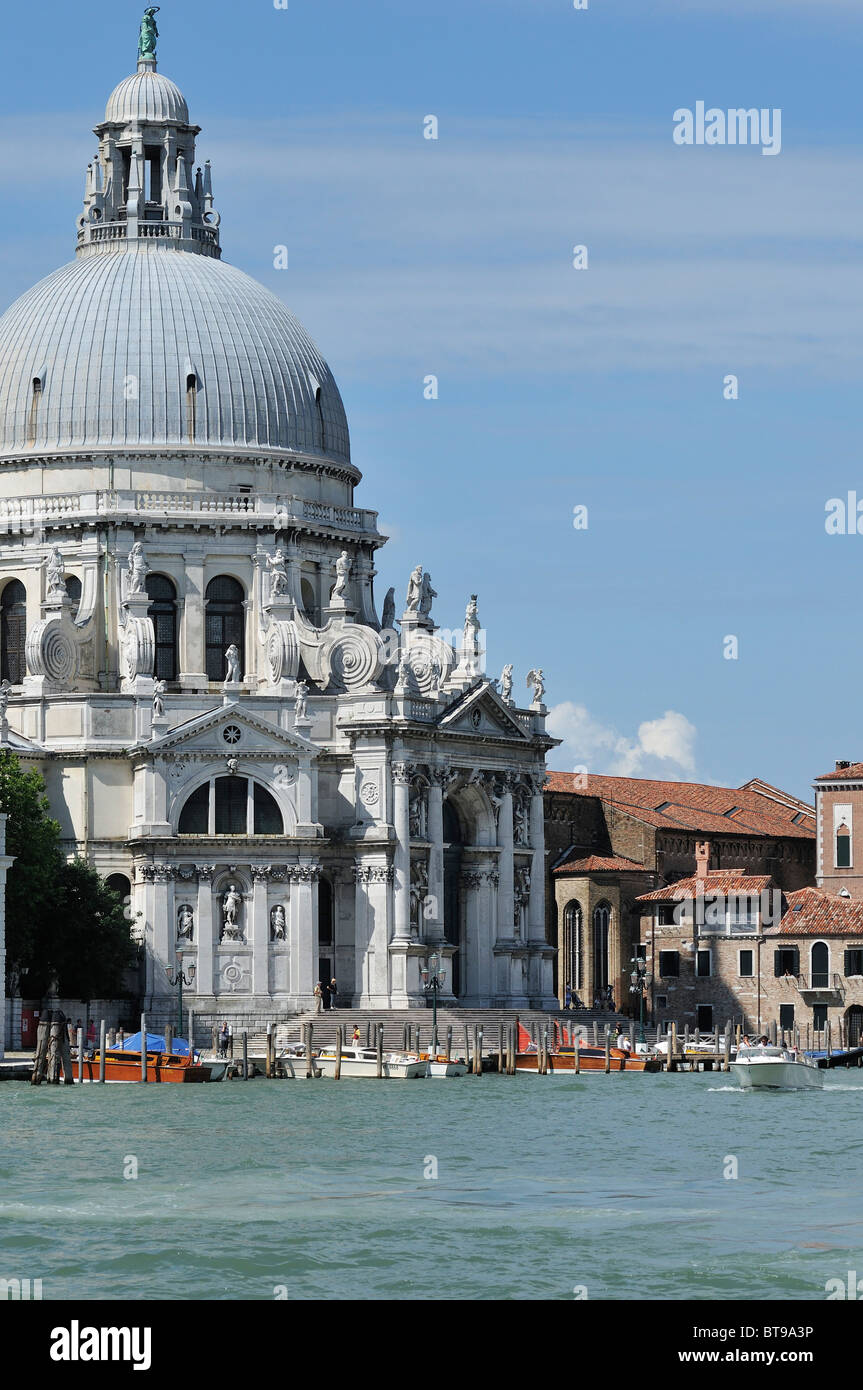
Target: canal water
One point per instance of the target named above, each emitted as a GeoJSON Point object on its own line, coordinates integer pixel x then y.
{"type": "Point", "coordinates": [617, 1187]}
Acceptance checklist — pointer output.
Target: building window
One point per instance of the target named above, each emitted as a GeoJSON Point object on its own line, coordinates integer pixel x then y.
{"type": "Point", "coordinates": [820, 963]}
{"type": "Point", "coordinates": [742, 914]}
{"type": "Point", "coordinates": [163, 612]}
{"type": "Point", "coordinates": [665, 915]}
{"type": "Point", "coordinates": [662, 1001]}
{"type": "Point", "coordinates": [854, 961]}
{"type": "Point", "coordinates": [819, 1017]}
{"type": "Point", "coordinates": [601, 921]}
{"type": "Point", "coordinates": [13, 632]}
{"type": "Point", "coordinates": [704, 1018]}
{"type": "Point", "coordinates": [225, 623]}
{"type": "Point", "coordinates": [231, 806]}
{"type": "Point", "coordinates": [745, 963]}
{"type": "Point", "coordinates": [702, 963]}
{"type": "Point", "coordinates": [786, 1015]}
{"type": "Point", "coordinates": [669, 963]}
{"type": "Point", "coordinates": [572, 946]}
{"type": "Point", "coordinates": [786, 961]}
{"type": "Point", "coordinates": [73, 589]}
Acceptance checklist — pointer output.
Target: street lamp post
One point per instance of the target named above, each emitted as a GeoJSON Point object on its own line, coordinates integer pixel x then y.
{"type": "Point", "coordinates": [433, 979]}
{"type": "Point", "coordinates": [179, 978]}
{"type": "Point", "coordinates": [640, 980]}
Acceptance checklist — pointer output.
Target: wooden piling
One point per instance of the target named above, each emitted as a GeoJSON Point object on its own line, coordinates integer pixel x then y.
{"type": "Point", "coordinates": [595, 1034]}
{"type": "Point", "coordinates": [380, 1053]}
{"type": "Point", "coordinates": [309, 1065]}
{"type": "Point", "coordinates": [40, 1060]}
{"type": "Point", "coordinates": [448, 1053]}
{"type": "Point", "coordinates": [102, 1043]}
{"type": "Point", "coordinates": [829, 1047]}
{"type": "Point", "coordinates": [726, 1059]}
{"type": "Point", "coordinates": [144, 1048]}
{"type": "Point", "coordinates": [419, 1040]}
{"type": "Point", "coordinates": [479, 1037]}
{"type": "Point", "coordinates": [607, 1048]}
{"type": "Point", "coordinates": [404, 1037]}
{"type": "Point", "coordinates": [79, 1038]}
{"type": "Point", "coordinates": [467, 1048]}
{"type": "Point", "coordinates": [576, 1060]}
{"type": "Point", "coordinates": [191, 1033]}
{"type": "Point", "coordinates": [169, 1037]}
{"type": "Point", "coordinates": [499, 1048]}
{"type": "Point", "coordinates": [368, 1034]}
{"type": "Point", "coordinates": [268, 1064]}
{"type": "Point", "coordinates": [337, 1071]}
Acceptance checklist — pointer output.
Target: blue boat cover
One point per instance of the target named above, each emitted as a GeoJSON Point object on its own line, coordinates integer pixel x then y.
{"type": "Point", "coordinates": [155, 1043]}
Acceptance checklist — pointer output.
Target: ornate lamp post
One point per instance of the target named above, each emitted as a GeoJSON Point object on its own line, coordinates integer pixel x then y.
{"type": "Point", "coordinates": [640, 981]}
{"type": "Point", "coordinates": [179, 978]}
{"type": "Point", "coordinates": [433, 979]}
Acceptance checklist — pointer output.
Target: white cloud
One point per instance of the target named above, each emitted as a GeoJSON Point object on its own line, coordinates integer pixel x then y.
{"type": "Point", "coordinates": [663, 748]}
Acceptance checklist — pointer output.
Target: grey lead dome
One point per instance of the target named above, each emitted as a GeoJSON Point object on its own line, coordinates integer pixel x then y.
{"type": "Point", "coordinates": [147, 96]}
{"type": "Point", "coordinates": [113, 339]}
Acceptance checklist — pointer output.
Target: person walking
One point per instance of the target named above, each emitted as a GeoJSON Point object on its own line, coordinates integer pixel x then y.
{"type": "Point", "coordinates": [355, 1037]}
{"type": "Point", "coordinates": [223, 1039]}
{"type": "Point", "coordinates": [334, 994]}
{"type": "Point", "coordinates": [319, 998]}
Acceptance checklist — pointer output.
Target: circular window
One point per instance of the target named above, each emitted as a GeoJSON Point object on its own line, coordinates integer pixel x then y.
{"type": "Point", "coordinates": [231, 733]}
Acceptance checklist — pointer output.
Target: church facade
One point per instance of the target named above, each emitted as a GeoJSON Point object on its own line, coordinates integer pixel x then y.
{"type": "Point", "coordinates": [285, 784]}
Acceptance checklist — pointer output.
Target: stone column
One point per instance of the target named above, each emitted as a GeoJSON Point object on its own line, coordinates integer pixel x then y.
{"type": "Point", "coordinates": [304, 931]}
{"type": "Point", "coordinates": [401, 773]}
{"type": "Point", "coordinates": [192, 645]}
{"type": "Point", "coordinates": [485, 945]}
{"type": "Point", "coordinates": [205, 929]}
{"type": "Point", "coordinates": [536, 905]}
{"type": "Point", "coordinates": [434, 923]}
{"type": "Point", "coordinates": [375, 882]}
{"type": "Point", "coordinates": [471, 886]}
{"type": "Point", "coordinates": [260, 932]}
{"type": "Point", "coordinates": [163, 945]}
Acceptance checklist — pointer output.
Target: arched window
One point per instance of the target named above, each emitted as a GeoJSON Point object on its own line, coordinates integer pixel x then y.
{"type": "Point", "coordinates": [73, 589]}
{"type": "Point", "coordinates": [843, 847]}
{"type": "Point", "coordinates": [820, 962]}
{"type": "Point", "coordinates": [163, 611]}
{"type": "Point", "coordinates": [601, 922]}
{"type": "Point", "coordinates": [13, 632]}
{"type": "Point", "coordinates": [225, 623]}
{"type": "Point", "coordinates": [231, 806]}
{"type": "Point", "coordinates": [119, 884]}
{"type": "Point", "coordinates": [572, 957]}
{"type": "Point", "coordinates": [307, 593]}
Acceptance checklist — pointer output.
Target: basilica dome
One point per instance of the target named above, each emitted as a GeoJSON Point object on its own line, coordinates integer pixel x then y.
{"type": "Point", "coordinates": [147, 96]}
{"type": "Point", "coordinates": [115, 340]}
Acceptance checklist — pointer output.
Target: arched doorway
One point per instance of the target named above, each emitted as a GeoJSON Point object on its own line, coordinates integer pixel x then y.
{"type": "Point", "coordinates": [326, 940]}
{"type": "Point", "coordinates": [820, 963]}
{"type": "Point", "coordinates": [854, 1025]}
{"type": "Point", "coordinates": [453, 841]}
{"type": "Point", "coordinates": [601, 924]}
{"type": "Point", "coordinates": [572, 947]}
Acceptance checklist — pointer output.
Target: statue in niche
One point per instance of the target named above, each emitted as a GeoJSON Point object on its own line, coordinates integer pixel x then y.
{"type": "Point", "coordinates": [278, 924]}
{"type": "Point", "coordinates": [278, 573]}
{"type": "Point", "coordinates": [160, 689]}
{"type": "Point", "coordinates": [427, 594]}
{"type": "Point", "coordinates": [506, 683]}
{"type": "Point", "coordinates": [138, 569]}
{"type": "Point", "coordinates": [418, 894]}
{"type": "Point", "coordinates": [415, 589]}
{"type": "Point", "coordinates": [537, 680]}
{"type": "Point", "coordinates": [519, 820]}
{"type": "Point", "coordinates": [55, 572]}
{"type": "Point", "coordinates": [343, 569]}
{"type": "Point", "coordinates": [185, 923]}
{"type": "Point", "coordinates": [389, 613]}
{"type": "Point", "coordinates": [148, 33]}
{"type": "Point", "coordinates": [417, 811]}
{"type": "Point", "coordinates": [232, 903]}
{"type": "Point", "coordinates": [301, 696]}
{"type": "Point", "coordinates": [232, 657]}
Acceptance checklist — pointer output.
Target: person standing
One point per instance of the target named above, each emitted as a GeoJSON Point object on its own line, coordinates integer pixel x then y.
{"type": "Point", "coordinates": [334, 994]}
{"type": "Point", "coordinates": [355, 1037]}
{"type": "Point", "coordinates": [319, 998]}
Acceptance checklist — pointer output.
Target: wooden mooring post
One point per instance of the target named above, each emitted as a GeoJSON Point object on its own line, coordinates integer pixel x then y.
{"type": "Point", "coordinates": [448, 1053]}
{"type": "Point", "coordinates": [144, 1048]}
{"type": "Point", "coordinates": [169, 1037]}
{"type": "Point", "coordinates": [268, 1063]}
{"type": "Point", "coordinates": [607, 1048]}
{"type": "Point", "coordinates": [40, 1061]}
{"type": "Point", "coordinates": [337, 1070]}
{"type": "Point", "coordinates": [726, 1058]}
{"type": "Point", "coordinates": [80, 1041]}
{"type": "Point", "coordinates": [380, 1053]}
{"type": "Point", "coordinates": [309, 1063]}
{"type": "Point", "coordinates": [102, 1042]}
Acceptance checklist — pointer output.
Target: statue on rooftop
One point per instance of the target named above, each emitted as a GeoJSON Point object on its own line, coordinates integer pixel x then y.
{"type": "Point", "coordinates": [149, 33]}
{"type": "Point", "coordinates": [55, 571]}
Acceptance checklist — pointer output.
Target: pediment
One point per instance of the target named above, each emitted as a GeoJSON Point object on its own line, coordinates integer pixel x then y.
{"type": "Point", "coordinates": [230, 730]}
{"type": "Point", "coordinates": [482, 711]}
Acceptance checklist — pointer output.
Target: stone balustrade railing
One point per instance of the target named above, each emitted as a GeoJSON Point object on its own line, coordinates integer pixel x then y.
{"type": "Point", "coordinates": [272, 509]}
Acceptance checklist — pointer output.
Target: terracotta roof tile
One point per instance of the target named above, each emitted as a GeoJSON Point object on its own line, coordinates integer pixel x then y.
{"type": "Point", "coordinates": [811, 912]}
{"type": "Point", "coordinates": [753, 809]}
{"type": "Point", "coordinates": [600, 863]}
{"type": "Point", "coordinates": [725, 881]}
{"type": "Point", "coordinates": [852, 773]}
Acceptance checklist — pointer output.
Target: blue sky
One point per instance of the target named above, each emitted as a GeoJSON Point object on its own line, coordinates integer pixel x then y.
{"type": "Point", "coordinates": [557, 387]}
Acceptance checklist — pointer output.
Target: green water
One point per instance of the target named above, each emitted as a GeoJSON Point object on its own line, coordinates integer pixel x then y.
{"type": "Point", "coordinates": [318, 1189]}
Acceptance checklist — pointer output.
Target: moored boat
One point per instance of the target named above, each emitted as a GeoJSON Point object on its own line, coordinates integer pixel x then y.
{"type": "Point", "coordinates": [440, 1066]}
{"type": "Point", "coordinates": [589, 1059]}
{"type": "Point", "coordinates": [775, 1069]}
{"type": "Point", "coordinates": [363, 1061]}
{"type": "Point", "coordinates": [123, 1065]}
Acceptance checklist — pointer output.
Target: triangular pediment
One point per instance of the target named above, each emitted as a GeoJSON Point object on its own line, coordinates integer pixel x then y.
{"type": "Point", "coordinates": [232, 729]}
{"type": "Point", "coordinates": [482, 711]}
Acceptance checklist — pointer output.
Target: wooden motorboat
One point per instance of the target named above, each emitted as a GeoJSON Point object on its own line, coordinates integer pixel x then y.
{"type": "Point", "coordinates": [121, 1065]}
{"type": "Point", "coordinates": [589, 1059]}
{"type": "Point", "coordinates": [363, 1061]}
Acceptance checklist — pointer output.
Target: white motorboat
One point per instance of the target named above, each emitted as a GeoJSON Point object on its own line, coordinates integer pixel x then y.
{"type": "Point", "coordinates": [363, 1061]}
{"type": "Point", "coordinates": [439, 1066]}
{"type": "Point", "coordinates": [775, 1068]}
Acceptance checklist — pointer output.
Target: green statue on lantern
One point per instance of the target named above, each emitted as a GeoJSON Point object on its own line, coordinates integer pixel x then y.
{"type": "Point", "coordinates": [149, 33]}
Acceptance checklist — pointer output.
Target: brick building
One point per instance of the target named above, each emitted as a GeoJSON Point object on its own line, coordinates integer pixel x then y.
{"type": "Point", "coordinates": [612, 839]}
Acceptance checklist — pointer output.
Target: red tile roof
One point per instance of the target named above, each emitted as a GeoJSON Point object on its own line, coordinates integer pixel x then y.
{"type": "Point", "coordinates": [852, 773]}
{"type": "Point", "coordinates": [811, 912]}
{"type": "Point", "coordinates": [756, 808]}
{"type": "Point", "coordinates": [600, 863]}
{"type": "Point", "coordinates": [726, 881]}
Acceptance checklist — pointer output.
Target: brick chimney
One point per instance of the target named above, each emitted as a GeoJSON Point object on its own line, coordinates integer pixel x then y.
{"type": "Point", "coordinates": [702, 858]}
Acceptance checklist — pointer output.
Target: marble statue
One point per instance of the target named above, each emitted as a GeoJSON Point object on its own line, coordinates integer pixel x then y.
{"type": "Point", "coordinates": [278, 924]}
{"type": "Point", "coordinates": [536, 679]}
{"type": "Point", "coordinates": [278, 573]}
{"type": "Point", "coordinates": [506, 683]}
{"type": "Point", "coordinates": [231, 904]}
{"type": "Point", "coordinates": [55, 571]}
{"type": "Point", "coordinates": [4, 699]}
{"type": "Point", "coordinates": [232, 657]}
{"type": "Point", "coordinates": [148, 33]}
{"type": "Point", "coordinates": [300, 707]}
{"type": "Point", "coordinates": [185, 923]}
{"type": "Point", "coordinates": [389, 613]}
{"type": "Point", "coordinates": [232, 766]}
{"type": "Point", "coordinates": [470, 647]}
{"type": "Point", "coordinates": [138, 569]}
{"type": "Point", "coordinates": [427, 593]}
{"type": "Point", "coordinates": [343, 569]}
{"type": "Point", "coordinates": [159, 691]}
{"type": "Point", "coordinates": [415, 588]}
{"type": "Point", "coordinates": [405, 670]}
